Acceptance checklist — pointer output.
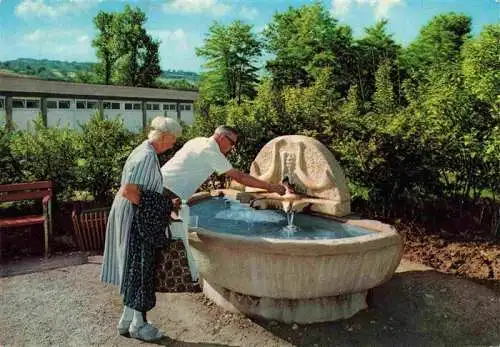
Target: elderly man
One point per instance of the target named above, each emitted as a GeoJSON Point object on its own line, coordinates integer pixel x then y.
{"type": "Point", "coordinates": [202, 156]}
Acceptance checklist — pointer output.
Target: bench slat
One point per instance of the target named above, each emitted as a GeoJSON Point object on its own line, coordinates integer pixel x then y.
{"type": "Point", "coordinates": [17, 196]}
{"type": "Point", "coordinates": [25, 186]}
{"type": "Point", "coordinates": [20, 221]}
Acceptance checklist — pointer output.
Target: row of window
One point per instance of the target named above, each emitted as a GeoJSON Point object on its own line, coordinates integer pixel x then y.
{"type": "Point", "coordinates": [93, 104]}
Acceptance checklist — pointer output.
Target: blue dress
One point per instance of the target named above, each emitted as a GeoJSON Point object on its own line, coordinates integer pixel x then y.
{"type": "Point", "coordinates": [142, 168]}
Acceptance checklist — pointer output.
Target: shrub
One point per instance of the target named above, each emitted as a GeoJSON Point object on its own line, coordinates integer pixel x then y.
{"type": "Point", "coordinates": [104, 145]}
{"type": "Point", "coordinates": [47, 154]}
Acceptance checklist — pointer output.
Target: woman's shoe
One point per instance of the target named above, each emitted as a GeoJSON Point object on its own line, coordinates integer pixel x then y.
{"type": "Point", "coordinates": [123, 327]}
{"type": "Point", "coordinates": [146, 332]}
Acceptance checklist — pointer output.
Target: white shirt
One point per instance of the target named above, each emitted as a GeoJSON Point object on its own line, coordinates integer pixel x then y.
{"type": "Point", "coordinates": [192, 165]}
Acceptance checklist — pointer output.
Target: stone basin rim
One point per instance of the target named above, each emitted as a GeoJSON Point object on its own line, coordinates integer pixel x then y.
{"type": "Point", "coordinates": [357, 244]}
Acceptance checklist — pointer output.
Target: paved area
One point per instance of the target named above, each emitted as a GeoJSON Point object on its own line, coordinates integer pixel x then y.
{"type": "Point", "coordinates": [68, 306]}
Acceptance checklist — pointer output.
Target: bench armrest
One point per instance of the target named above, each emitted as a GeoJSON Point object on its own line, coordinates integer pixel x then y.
{"type": "Point", "coordinates": [46, 199]}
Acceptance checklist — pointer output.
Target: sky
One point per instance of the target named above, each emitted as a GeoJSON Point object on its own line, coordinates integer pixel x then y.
{"type": "Point", "coordinates": [63, 29]}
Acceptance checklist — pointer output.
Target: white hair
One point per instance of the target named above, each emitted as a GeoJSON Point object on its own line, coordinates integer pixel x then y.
{"type": "Point", "coordinates": [164, 125]}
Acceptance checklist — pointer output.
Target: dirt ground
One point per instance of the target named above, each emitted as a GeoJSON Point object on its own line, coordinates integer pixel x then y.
{"type": "Point", "coordinates": [68, 306]}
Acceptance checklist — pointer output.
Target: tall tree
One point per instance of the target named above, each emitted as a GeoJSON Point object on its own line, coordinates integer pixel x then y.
{"type": "Point", "coordinates": [481, 65]}
{"type": "Point", "coordinates": [438, 43]}
{"type": "Point", "coordinates": [383, 98]}
{"type": "Point", "coordinates": [376, 46]}
{"type": "Point", "coordinates": [128, 55]}
{"type": "Point", "coordinates": [230, 52]}
{"type": "Point", "coordinates": [104, 45]}
{"type": "Point", "coordinates": [304, 41]}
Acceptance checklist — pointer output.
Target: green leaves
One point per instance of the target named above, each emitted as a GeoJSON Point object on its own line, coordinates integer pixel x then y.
{"type": "Point", "coordinates": [127, 54]}
{"type": "Point", "coordinates": [481, 66]}
{"type": "Point", "coordinates": [230, 53]}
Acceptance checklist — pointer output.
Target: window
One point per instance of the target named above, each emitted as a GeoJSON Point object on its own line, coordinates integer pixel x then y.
{"type": "Point", "coordinates": [115, 105]}
{"type": "Point", "coordinates": [106, 105]}
{"type": "Point", "coordinates": [80, 104]}
{"type": "Point", "coordinates": [32, 103]}
{"type": "Point", "coordinates": [92, 105]}
{"type": "Point", "coordinates": [2, 104]}
{"type": "Point", "coordinates": [133, 106]}
{"type": "Point", "coordinates": [148, 107]}
{"type": "Point", "coordinates": [181, 107]}
{"type": "Point", "coordinates": [173, 107]}
{"type": "Point", "coordinates": [187, 107]}
{"type": "Point", "coordinates": [64, 104]}
{"type": "Point", "coordinates": [17, 103]}
{"type": "Point", "coordinates": [51, 104]}
{"type": "Point", "coordinates": [156, 107]}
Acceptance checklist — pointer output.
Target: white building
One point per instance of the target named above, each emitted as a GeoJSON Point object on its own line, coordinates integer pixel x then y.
{"type": "Point", "coordinates": [68, 104]}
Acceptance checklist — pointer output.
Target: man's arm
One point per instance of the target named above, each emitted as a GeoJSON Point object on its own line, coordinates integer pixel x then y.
{"type": "Point", "coordinates": [250, 181]}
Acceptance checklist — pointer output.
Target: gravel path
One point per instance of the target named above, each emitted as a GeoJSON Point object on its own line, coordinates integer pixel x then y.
{"type": "Point", "coordinates": [70, 307]}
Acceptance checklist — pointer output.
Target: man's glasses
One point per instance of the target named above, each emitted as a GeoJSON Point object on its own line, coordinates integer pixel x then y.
{"type": "Point", "coordinates": [233, 142]}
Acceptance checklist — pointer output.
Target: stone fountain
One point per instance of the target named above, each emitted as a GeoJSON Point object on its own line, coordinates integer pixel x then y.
{"type": "Point", "coordinates": [310, 168]}
{"type": "Point", "coordinates": [297, 280]}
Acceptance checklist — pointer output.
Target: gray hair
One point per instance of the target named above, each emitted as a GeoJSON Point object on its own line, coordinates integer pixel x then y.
{"type": "Point", "coordinates": [164, 125]}
{"type": "Point", "coordinates": [225, 130]}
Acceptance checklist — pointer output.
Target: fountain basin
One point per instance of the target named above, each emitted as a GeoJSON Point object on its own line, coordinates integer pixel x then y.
{"type": "Point", "coordinates": [301, 281]}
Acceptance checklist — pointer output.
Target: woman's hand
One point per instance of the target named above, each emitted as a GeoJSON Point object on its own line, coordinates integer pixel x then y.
{"type": "Point", "coordinates": [176, 205]}
{"type": "Point", "coordinates": [131, 192]}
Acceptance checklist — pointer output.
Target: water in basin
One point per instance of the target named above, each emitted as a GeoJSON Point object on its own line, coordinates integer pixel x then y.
{"type": "Point", "coordinates": [230, 216]}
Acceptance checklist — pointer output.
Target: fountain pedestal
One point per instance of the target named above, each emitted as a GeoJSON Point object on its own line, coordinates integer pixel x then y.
{"type": "Point", "coordinates": [302, 311]}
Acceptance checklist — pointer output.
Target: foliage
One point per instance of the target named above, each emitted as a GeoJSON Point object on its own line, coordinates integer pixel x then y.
{"type": "Point", "coordinates": [85, 72]}
{"type": "Point", "coordinates": [175, 84]}
{"type": "Point", "coordinates": [303, 42]}
{"type": "Point", "coordinates": [104, 147]}
{"type": "Point", "coordinates": [383, 98]}
{"type": "Point", "coordinates": [438, 44]}
{"type": "Point", "coordinates": [10, 171]}
{"type": "Point", "coordinates": [127, 54]}
{"type": "Point", "coordinates": [104, 45]}
{"type": "Point", "coordinates": [409, 127]}
{"type": "Point", "coordinates": [47, 154]}
{"type": "Point", "coordinates": [230, 53]}
{"type": "Point", "coordinates": [369, 52]}
{"type": "Point", "coordinates": [481, 66]}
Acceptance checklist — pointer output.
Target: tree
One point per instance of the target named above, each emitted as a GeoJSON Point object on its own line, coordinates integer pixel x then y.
{"type": "Point", "coordinates": [376, 46]}
{"type": "Point", "coordinates": [104, 45]}
{"type": "Point", "coordinates": [128, 55]}
{"type": "Point", "coordinates": [481, 66]}
{"type": "Point", "coordinates": [383, 98]}
{"type": "Point", "coordinates": [438, 43]}
{"type": "Point", "coordinates": [230, 52]}
{"type": "Point", "coordinates": [305, 41]}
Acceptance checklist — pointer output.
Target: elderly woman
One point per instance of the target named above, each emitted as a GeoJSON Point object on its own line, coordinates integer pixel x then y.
{"type": "Point", "coordinates": [141, 180]}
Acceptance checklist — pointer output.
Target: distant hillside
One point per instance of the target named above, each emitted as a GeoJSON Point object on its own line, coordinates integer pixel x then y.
{"type": "Point", "coordinates": [69, 71]}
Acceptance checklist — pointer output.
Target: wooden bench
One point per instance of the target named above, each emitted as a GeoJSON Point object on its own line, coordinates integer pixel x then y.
{"type": "Point", "coordinates": [29, 191]}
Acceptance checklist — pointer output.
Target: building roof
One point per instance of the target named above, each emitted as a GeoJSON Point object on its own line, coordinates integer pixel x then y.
{"type": "Point", "coordinates": [39, 87]}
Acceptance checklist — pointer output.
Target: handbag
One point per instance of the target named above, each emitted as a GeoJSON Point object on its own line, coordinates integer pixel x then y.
{"type": "Point", "coordinates": [172, 274]}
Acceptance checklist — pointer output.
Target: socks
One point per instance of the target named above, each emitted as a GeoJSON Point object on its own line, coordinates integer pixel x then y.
{"type": "Point", "coordinates": [138, 319]}
{"type": "Point", "coordinates": [128, 314]}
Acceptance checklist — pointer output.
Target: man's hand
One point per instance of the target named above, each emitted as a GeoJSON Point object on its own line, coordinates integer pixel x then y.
{"type": "Point", "coordinates": [277, 188]}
